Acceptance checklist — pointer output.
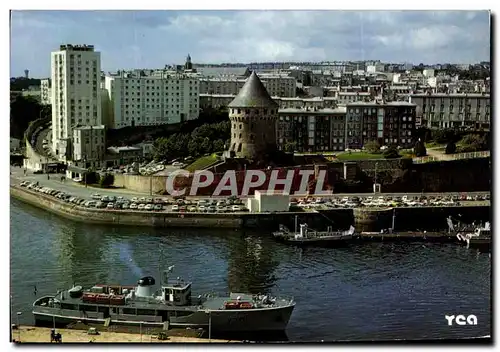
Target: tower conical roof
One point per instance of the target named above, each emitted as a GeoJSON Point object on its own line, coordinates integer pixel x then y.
{"type": "Point", "coordinates": [253, 94]}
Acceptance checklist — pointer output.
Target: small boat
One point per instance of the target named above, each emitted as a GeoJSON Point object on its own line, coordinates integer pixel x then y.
{"type": "Point", "coordinates": [308, 236]}
{"type": "Point", "coordinates": [480, 237]}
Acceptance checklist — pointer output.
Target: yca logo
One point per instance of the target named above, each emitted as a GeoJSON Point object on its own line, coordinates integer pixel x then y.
{"type": "Point", "coordinates": [461, 319]}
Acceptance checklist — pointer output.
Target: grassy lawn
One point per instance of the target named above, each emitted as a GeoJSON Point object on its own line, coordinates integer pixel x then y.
{"type": "Point", "coordinates": [202, 163]}
{"type": "Point", "coordinates": [345, 156]}
{"type": "Point", "coordinates": [434, 145]}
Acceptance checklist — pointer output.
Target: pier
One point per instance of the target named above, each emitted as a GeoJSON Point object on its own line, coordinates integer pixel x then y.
{"type": "Point", "coordinates": [34, 334]}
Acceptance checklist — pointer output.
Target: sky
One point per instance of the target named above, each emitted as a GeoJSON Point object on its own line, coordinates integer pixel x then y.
{"type": "Point", "coordinates": [153, 39]}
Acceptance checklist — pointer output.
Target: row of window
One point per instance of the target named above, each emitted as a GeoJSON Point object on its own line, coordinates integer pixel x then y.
{"type": "Point", "coordinates": [152, 88]}
{"type": "Point", "coordinates": [143, 112]}
{"type": "Point", "coordinates": [154, 81]}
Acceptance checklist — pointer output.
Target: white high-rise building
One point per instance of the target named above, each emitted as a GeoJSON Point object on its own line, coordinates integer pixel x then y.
{"type": "Point", "coordinates": [141, 98]}
{"type": "Point", "coordinates": [45, 92]}
{"type": "Point", "coordinates": [75, 95]}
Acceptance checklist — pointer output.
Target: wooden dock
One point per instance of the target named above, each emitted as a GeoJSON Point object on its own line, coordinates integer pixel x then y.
{"type": "Point", "coordinates": [32, 334]}
{"type": "Point", "coordinates": [422, 236]}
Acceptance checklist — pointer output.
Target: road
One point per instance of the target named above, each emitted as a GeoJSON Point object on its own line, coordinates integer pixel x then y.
{"type": "Point", "coordinates": [439, 154]}
{"type": "Point", "coordinates": [79, 190]}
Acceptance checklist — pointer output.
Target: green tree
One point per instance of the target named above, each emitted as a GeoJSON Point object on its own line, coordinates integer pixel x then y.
{"type": "Point", "coordinates": [372, 146]}
{"type": "Point", "coordinates": [206, 146]}
{"type": "Point", "coordinates": [24, 110]}
{"type": "Point", "coordinates": [391, 152]}
{"type": "Point", "coordinates": [21, 83]}
{"type": "Point", "coordinates": [106, 180]}
{"type": "Point", "coordinates": [290, 147]}
{"type": "Point", "coordinates": [451, 148]}
{"type": "Point", "coordinates": [218, 145]}
{"type": "Point", "coordinates": [475, 142]}
{"type": "Point", "coordinates": [420, 149]}
{"type": "Point", "coordinates": [91, 177]}
{"type": "Point", "coordinates": [444, 136]}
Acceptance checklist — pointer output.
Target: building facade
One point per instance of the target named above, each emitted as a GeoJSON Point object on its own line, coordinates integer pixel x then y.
{"type": "Point", "coordinates": [442, 110]}
{"type": "Point", "coordinates": [45, 91]}
{"type": "Point", "coordinates": [253, 115]}
{"type": "Point", "coordinates": [385, 122]}
{"type": "Point", "coordinates": [276, 85]}
{"type": "Point", "coordinates": [311, 130]}
{"type": "Point", "coordinates": [165, 97]}
{"type": "Point", "coordinates": [75, 77]}
{"type": "Point", "coordinates": [89, 144]}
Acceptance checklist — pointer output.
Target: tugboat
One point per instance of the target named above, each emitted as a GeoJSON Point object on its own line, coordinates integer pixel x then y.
{"type": "Point", "coordinates": [307, 236]}
{"type": "Point", "coordinates": [170, 306]}
{"type": "Point", "coordinates": [479, 238]}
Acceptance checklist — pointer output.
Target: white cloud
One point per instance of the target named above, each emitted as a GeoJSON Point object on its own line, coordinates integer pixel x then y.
{"type": "Point", "coordinates": [161, 37]}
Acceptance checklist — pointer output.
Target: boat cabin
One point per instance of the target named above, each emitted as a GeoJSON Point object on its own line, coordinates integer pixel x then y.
{"type": "Point", "coordinates": [177, 292]}
{"type": "Point", "coordinates": [484, 231]}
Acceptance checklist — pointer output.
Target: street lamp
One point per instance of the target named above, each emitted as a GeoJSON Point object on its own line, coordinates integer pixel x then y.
{"type": "Point", "coordinates": [18, 327]}
{"type": "Point", "coordinates": [209, 324]}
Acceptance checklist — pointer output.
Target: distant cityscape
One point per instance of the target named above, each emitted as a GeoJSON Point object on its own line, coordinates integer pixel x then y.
{"type": "Point", "coordinates": [326, 106]}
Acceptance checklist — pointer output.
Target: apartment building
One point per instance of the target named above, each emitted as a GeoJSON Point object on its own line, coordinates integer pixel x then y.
{"type": "Point", "coordinates": [311, 130]}
{"type": "Point", "coordinates": [45, 92]}
{"type": "Point", "coordinates": [386, 122]}
{"type": "Point", "coordinates": [141, 99]}
{"type": "Point", "coordinates": [276, 85]}
{"type": "Point", "coordinates": [459, 110]}
{"type": "Point", "coordinates": [89, 144]}
{"type": "Point", "coordinates": [75, 77]}
{"type": "Point", "coordinates": [351, 97]}
{"type": "Point", "coordinates": [215, 101]}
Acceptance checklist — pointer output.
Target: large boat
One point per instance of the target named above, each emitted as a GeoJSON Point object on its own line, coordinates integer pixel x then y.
{"type": "Point", "coordinates": [170, 306]}
{"type": "Point", "coordinates": [308, 236]}
{"type": "Point", "coordinates": [480, 237]}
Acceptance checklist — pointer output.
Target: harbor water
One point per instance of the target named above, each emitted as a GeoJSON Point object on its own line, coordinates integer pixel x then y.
{"type": "Point", "coordinates": [365, 291]}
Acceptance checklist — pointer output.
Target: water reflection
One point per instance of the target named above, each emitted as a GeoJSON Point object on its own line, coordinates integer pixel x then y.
{"type": "Point", "coordinates": [251, 264]}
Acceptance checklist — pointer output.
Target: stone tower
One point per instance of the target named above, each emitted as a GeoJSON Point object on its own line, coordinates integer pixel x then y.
{"type": "Point", "coordinates": [253, 115]}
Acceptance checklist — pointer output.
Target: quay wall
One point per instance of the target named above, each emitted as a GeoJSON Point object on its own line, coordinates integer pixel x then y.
{"type": "Point", "coordinates": [132, 218]}
{"type": "Point", "coordinates": [399, 175]}
{"type": "Point", "coordinates": [364, 219]}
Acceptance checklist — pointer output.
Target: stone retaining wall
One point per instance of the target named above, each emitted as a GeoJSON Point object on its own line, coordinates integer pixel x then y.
{"type": "Point", "coordinates": [131, 218]}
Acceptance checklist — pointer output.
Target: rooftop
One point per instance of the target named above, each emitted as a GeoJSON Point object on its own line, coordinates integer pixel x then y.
{"type": "Point", "coordinates": [123, 149]}
{"type": "Point", "coordinates": [77, 47]}
{"type": "Point", "coordinates": [325, 111]}
{"type": "Point", "coordinates": [452, 95]}
{"type": "Point", "coordinates": [100, 127]}
{"type": "Point", "coordinates": [253, 94]}
{"type": "Point", "coordinates": [380, 103]}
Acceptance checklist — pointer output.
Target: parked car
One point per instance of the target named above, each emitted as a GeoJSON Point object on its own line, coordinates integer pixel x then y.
{"type": "Point", "coordinates": [110, 206]}
{"type": "Point", "coordinates": [175, 207]}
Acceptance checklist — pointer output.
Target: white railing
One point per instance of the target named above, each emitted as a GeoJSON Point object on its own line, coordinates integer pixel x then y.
{"type": "Point", "coordinates": [451, 157]}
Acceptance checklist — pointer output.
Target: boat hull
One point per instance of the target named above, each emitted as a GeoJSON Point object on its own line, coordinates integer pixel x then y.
{"type": "Point", "coordinates": [250, 320]}
{"type": "Point", "coordinates": [323, 241]}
